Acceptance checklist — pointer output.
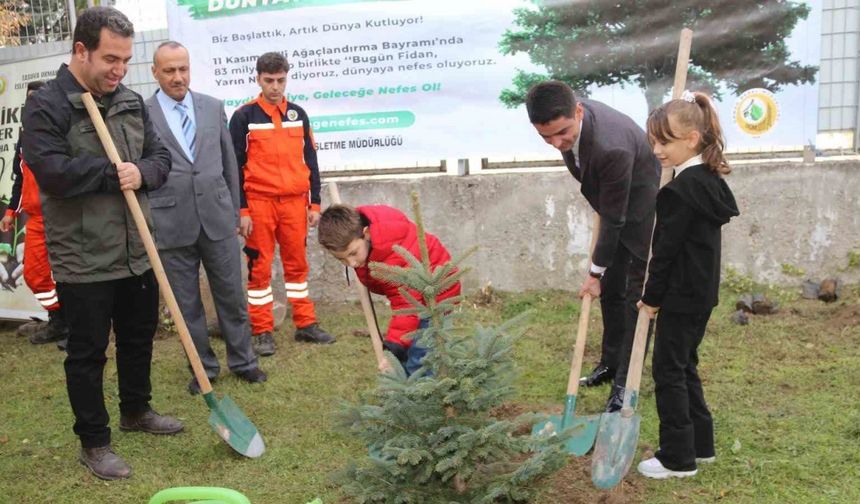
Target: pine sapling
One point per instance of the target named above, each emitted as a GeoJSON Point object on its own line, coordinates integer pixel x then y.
{"type": "Point", "coordinates": [431, 437]}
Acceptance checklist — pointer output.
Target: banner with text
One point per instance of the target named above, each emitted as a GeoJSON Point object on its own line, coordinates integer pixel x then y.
{"type": "Point", "coordinates": [405, 82]}
{"type": "Point", "coordinates": [384, 82]}
{"type": "Point", "coordinates": [16, 300]}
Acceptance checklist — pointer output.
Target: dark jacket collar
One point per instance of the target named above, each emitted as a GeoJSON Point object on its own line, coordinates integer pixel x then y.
{"type": "Point", "coordinates": [586, 138]}
{"type": "Point", "coordinates": [67, 81]}
{"type": "Point", "coordinates": [73, 89]}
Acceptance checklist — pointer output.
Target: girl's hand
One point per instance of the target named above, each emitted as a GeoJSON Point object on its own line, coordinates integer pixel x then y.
{"type": "Point", "coordinates": [651, 310]}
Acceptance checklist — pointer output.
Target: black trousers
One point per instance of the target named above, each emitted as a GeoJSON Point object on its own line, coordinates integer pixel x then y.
{"type": "Point", "coordinates": [131, 305]}
{"type": "Point", "coordinates": [620, 290]}
{"type": "Point", "coordinates": [686, 426]}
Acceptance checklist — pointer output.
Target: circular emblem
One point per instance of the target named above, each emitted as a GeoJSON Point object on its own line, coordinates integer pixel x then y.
{"type": "Point", "coordinates": [292, 115]}
{"type": "Point", "coordinates": [756, 112]}
{"type": "Point", "coordinates": [2, 84]}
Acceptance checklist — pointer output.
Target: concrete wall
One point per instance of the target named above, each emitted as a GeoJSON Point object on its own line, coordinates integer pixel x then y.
{"type": "Point", "coordinates": [533, 228]}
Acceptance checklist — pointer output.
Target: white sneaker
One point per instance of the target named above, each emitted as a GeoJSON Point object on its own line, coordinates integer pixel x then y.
{"type": "Point", "coordinates": [706, 460]}
{"type": "Point", "coordinates": [652, 468]}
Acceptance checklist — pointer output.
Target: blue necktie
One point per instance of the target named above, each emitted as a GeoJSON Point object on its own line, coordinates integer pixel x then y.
{"type": "Point", "coordinates": [187, 128]}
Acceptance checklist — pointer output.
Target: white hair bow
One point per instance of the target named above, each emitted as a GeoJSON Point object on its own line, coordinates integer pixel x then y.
{"type": "Point", "coordinates": [687, 96]}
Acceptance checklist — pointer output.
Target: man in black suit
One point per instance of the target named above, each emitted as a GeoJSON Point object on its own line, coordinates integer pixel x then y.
{"type": "Point", "coordinates": [611, 157]}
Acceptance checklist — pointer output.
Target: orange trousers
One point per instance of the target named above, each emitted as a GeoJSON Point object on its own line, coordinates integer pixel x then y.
{"type": "Point", "coordinates": [37, 268]}
{"type": "Point", "coordinates": [281, 220]}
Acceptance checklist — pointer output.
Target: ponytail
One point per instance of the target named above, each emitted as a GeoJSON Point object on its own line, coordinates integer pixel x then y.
{"type": "Point", "coordinates": [713, 142]}
{"type": "Point", "coordinates": [693, 112]}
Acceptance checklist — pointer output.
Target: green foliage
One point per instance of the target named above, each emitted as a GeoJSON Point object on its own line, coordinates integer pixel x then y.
{"type": "Point", "coordinates": [431, 437]}
{"type": "Point", "coordinates": [854, 259]}
{"type": "Point", "coordinates": [737, 43]}
{"type": "Point", "coordinates": [37, 22]}
{"type": "Point", "coordinates": [792, 270]}
{"type": "Point", "coordinates": [765, 383]}
{"type": "Point", "coordinates": [738, 283]}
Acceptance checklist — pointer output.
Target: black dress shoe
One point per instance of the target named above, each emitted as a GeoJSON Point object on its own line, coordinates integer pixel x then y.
{"type": "Point", "coordinates": [616, 399]}
{"type": "Point", "coordinates": [194, 387]}
{"type": "Point", "coordinates": [253, 375]}
{"type": "Point", "coordinates": [601, 374]}
{"type": "Point", "coordinates": [314, 334]}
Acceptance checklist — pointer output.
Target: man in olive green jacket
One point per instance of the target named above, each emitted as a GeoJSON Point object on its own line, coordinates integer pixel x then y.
{"type": "Point", "coordinates": [103, 276]}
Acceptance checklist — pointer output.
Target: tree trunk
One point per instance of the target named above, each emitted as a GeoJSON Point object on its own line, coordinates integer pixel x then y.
{"type": "Point", "coordinates": [655, 92]}
{"type": "Point", "coordinates": [459, 485]}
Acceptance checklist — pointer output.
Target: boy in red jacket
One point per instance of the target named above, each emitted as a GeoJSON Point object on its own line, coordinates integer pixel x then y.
{"type": "Point", "coordinates": [365, 234]}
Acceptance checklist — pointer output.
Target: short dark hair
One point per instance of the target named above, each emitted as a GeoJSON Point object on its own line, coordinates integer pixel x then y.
{"type": "Point", "coordinates": [338, 226]}
{"type": "Point", "coordinates": [35, 85]}
{"type": "Point", "coordinates": [172, 44]}
{"type": "Point", "coordinates": [549, 100]}
{"type": "Point", "coordinates": [91, 21]}
{"type": "Point", "coordinates": [272, 62]}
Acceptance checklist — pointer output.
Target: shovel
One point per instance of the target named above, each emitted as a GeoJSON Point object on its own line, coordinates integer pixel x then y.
{"type": "Point", "coordinates": [617, 438]}
{"type": "Point", "coordinates": [366, 302]}
{"type": "Point", "coordinates": [584, 428]}
{"type": "Point", "coordinates": [618, 434]}
{"type": "Point", "coordinates": [226, 418]}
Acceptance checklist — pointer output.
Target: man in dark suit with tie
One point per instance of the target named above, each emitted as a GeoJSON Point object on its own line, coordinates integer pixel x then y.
{"type": "Point", "coordinates": [612, 159]}
{"type": "Point", "coordinates": [196, 213]}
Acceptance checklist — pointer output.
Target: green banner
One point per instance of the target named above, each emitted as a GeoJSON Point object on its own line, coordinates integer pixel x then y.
{"type": "Point", "coordinates": [371, 120]}
{"type": "Point", "coordinates": [207, 9]}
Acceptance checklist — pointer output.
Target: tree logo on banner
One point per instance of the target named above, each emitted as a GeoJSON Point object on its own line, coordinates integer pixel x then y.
{"type": "Point", "coordinates": [756, 112]}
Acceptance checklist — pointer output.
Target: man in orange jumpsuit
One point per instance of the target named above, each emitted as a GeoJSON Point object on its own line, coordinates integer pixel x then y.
{"type": "Point", "coordinates": [279, 199]}
{"type": "Point", "coordinates": [37, 269]}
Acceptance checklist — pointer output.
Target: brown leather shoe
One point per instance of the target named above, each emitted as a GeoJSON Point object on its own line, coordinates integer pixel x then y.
{"type": "Point", "coordinates": [104, 463]}
{"type": "Point", "coordinates": [150, 422]}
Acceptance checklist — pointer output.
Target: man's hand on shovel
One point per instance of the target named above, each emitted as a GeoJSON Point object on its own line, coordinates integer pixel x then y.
{"type": "Point", "coordinates": [591, 286]}
{"type": "Point", "coordinates": [129, 176]}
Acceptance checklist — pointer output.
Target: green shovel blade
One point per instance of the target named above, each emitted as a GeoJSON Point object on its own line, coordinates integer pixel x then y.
{"type": "Point", "coordinates": [228, 421]}
{"type": "Point", "coordinates": [614, 448]}
{"type": "Point", "coordinates": [582, 430]}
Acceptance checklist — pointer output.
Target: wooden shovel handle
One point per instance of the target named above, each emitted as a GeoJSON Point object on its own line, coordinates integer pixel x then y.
{"type": "Point", "coordinates": [579, 346]}
{"type": "Point", "coordinates": [364, 296]}
{"type": "Point", "coordinates": [151, 250]}
{"type": "Point", "coordinates": [684, 47]}
{"type": "Point", "coordinates": [683, 62]}
{"type": "Point", "coordinates": [637, 355]}
{"type": "Point", "coordinates": [582, 329]}
{"type": "Point", "coordinates": [640, 336]}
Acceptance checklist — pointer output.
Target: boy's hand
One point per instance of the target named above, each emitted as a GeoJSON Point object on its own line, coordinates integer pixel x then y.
{"type": "Point", "coordinates": [385, 366]}
{"type": "Point", "coordinates": [651, 310]}
{"type": "Point", "coordinates": [6, 223]}
{"type": "Point", "coordinates": [591, 286]}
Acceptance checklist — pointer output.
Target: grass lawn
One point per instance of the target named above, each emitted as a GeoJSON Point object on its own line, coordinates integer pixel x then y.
{"type": "Point", "coordinates": [783, 392]}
